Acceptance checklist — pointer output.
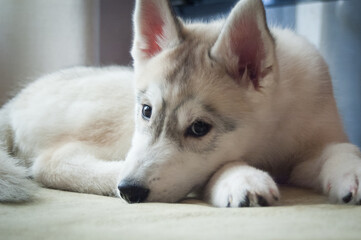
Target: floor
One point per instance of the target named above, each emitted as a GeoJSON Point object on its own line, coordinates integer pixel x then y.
{"type": "Point", "coordinates": [57, 214]}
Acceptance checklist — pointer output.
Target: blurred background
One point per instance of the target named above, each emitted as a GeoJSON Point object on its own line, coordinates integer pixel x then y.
{"type": "Point", "coordinates": [41, 36]}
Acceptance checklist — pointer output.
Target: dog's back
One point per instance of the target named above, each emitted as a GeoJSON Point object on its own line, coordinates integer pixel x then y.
{"type": "Point", "coordinates": [300, 116]}
{"type": "Point", "coordinates": [78, 104]}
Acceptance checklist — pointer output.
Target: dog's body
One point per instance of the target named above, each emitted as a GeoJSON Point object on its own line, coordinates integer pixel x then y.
{"type": "Point", "coordinates": [214, 104]}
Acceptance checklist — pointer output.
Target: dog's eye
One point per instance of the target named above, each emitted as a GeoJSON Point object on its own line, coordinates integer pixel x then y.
{"type": "Point", "coordinates": [198, 129]}
{"type": "Point", "coordinates": [146, 112]}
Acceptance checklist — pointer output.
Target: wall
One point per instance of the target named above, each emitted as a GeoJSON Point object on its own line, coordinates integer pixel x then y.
{"type": "Point", "coordinates": [41, 36]}
{"type": "Point", "coordinates": [116, 31]}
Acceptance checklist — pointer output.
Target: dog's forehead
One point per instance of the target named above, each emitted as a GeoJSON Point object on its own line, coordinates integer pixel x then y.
{"type": "Point", "coordinates": [182, 86]}
{"type": "Point", "coordinates": [188, 67]}
{"type": "Point", "coordinates": [184, 74]}
{"type": "Point", "coordinates": [176, 74]}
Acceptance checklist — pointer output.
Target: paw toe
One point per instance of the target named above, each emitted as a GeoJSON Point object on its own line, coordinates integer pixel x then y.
{"type": "Point", "coordinates": [245, 202]}
{"type": "Point", "coordinates": [262, 201]}
{"type": "Point", "coordinates": [347, 198]}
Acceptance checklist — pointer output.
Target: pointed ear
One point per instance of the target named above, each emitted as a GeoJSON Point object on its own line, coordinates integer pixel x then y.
{"type": "Point", "coordinates": [245, 45]}
{"type": "Point", "coordinates": [155, 28]}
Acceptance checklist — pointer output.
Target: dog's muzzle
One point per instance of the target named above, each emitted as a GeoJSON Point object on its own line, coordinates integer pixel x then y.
{"type": "Point", "coordinates": [132, 193]}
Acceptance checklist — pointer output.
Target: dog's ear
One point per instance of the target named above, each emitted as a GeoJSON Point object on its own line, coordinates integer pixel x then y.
{"type": "Point", "coordinates": [155, 29]}
{"type": "Point", "coordinates": [245, 45]}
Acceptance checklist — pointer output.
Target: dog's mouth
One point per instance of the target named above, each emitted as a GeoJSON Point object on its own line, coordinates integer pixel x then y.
{"type": "Point", "coordinates": [133, 192]}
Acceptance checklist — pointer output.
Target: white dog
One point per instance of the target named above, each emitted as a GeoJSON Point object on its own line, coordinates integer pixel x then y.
{"type": "Point", "coordinates": [215, 107]}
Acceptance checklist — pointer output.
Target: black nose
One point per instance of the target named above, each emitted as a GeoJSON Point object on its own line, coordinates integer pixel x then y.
{"type": "Point", "coordinates": [132, 193]}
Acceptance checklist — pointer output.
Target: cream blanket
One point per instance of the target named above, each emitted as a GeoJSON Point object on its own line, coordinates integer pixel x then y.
{"type": "Point", "coordinates": [66, 215]}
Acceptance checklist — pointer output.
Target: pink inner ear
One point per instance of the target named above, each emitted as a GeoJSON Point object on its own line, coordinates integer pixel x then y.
{"type": "Point", "coordinates": [152, 28]}
{"type": "Point", "coordinates": [246, 43]}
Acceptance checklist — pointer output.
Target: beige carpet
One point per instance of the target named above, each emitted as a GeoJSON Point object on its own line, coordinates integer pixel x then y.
{"type": "Point", "coordinates": [65, 215]}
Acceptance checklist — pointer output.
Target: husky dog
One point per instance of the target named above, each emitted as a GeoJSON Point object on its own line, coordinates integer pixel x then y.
{"type": "Point", "coordinates": [225, 108]}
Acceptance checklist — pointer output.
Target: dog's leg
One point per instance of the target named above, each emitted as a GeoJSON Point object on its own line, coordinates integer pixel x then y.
{"type": "Point", "coordinates": [336, 172]}
{"type": "Point", "coordinates": [71, 167]}
{"type": "Point", "coordinates": [238, 185]}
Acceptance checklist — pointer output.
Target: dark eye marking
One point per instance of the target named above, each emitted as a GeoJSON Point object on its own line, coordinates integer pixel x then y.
{"type": "Point", "coordinates": [198, 129]}
{"type": "Point", "coordinates": [146, 112]}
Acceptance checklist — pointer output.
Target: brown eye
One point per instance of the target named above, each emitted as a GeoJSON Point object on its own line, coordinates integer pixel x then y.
{"type": "Point", "coordinates": [146, 112]}
{"type": "Point", "coordinates": [198, 129]}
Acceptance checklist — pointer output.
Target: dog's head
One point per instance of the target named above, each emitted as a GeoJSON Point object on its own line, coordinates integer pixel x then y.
{"type": "Point", "coordinates": [196, 88]}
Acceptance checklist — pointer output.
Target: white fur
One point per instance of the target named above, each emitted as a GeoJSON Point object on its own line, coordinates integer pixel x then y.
{"type": "Point", "coordinates": [61, 131]}
{"type": "Point", "coordinates": [14, 182]}
{"type": "Point", "coordinates": [235, 182]}
{"type": "Point", "coordinates": [72, 128]}
{"type": "Point", "coordinates": [341, 172]}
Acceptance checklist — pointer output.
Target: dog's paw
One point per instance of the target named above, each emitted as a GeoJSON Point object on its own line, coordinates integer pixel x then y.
{"type": "Point", "coordinates": [239, 185]}
{"type": "Point", "coordinates": [341, 173]}
{"type": "Point", "coordinates": [344, 187]}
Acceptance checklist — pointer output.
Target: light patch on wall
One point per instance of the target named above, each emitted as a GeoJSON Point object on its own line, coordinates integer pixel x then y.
{"type": "Point", "coordinates": [309, 21]}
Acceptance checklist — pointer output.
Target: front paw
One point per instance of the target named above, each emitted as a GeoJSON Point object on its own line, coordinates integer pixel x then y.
{"type": "Point", "coordinates": [341, 173]}
{"type": "Point", "coordinates": [239, 185]}
{"type": "Point", "coordinates": [343, 186]}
